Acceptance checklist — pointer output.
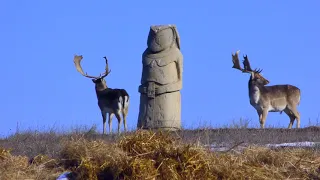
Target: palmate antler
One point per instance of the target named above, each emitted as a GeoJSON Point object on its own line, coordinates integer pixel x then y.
{"type": "Point", "coordinates": [107, 71]}
{"type": "Point", "coordinates": [246, 64]}
{"type": "Point", "coordinates": [77, 61]}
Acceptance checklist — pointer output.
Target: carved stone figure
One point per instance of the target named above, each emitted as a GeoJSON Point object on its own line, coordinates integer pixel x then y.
{"type": "Point", "coordinates": [161, 81]}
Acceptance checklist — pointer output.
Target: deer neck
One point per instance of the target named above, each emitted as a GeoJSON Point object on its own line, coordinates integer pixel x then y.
{"type": "Point", "coordinates": [100, 88]}
{"type": "Point", "coordinates": [254, 92]}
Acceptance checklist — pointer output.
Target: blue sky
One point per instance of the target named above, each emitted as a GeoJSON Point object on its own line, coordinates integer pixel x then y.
{"type": "Point", "coordinates": [42, 89]}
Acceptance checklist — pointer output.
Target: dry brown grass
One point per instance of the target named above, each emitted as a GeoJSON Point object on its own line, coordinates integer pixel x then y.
{"type": "Point", "coordinates": [21, 167]}
{"type": "Point", "coordinates": [160, 155]}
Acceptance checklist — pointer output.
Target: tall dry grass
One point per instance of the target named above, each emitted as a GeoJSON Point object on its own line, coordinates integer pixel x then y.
{"type": "Point", "coordinates": [158, 155]}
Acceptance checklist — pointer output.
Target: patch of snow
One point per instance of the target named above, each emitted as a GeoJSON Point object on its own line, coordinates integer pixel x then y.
{"type": "Point", "coordinates": [63, 176]}
{"type": "Point", "coordinates": [226, 147]}
{"type": "Point", "coordinates": [295, 144]}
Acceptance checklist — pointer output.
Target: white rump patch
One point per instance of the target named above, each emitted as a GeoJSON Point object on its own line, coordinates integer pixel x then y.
{"type": "Point", "coordinates": [120, 103]}
{"type": "Point", "coordinates": [126, 102]}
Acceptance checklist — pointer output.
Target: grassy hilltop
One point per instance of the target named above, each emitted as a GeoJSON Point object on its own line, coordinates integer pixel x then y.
{"type": "Point", "coordinates": [160, 155]}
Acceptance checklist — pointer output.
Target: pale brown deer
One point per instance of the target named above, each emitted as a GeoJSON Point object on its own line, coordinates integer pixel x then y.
{"type": "Point", "coordinates": [265, 99]}
{"type": "Point", "coordinates": [111, 101]}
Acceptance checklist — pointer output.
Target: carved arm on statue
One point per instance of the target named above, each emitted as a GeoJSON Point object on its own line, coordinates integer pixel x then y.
{"type": "Point", "coordinates": [160, 89]}
{"type": "Point", "coordinates": [169, 87]}
{"type": "Point", "coordinates": [173, 86]}
{"type": "Point", "coordinates": [179, 65]}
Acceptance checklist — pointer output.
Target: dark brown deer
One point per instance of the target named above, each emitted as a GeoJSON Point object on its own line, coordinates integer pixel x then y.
{"type": "Point", "coordinates": [111, 101]}
{"type": "Point", "coordinates": [265, 99]}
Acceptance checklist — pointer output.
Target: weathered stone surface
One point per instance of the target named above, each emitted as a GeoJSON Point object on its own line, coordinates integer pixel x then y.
{"type": "Point", "coordinates": [161, 81]}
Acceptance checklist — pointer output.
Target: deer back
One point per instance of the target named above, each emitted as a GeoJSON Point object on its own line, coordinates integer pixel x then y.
{"type": "Point", "coordinates": [288, 92]}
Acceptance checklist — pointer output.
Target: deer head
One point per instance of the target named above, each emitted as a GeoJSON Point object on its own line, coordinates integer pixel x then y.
{"type": "Point", "coordinates": [99, 81]}
{"type": "Point", "coordinates": [256, 77]}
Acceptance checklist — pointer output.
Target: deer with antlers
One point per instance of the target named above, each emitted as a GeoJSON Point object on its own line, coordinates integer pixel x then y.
{"type": "Point", "coordinates": [111, 101]}
{"type": "Point", "coordinates": [265, 99]}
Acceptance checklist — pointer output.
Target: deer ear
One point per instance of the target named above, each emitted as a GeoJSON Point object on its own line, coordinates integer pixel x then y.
{"type": "Point", "coordinates": [93, 80]}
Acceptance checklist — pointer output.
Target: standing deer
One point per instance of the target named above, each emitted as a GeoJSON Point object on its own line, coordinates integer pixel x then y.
{"type": "Point", "coordinates": [265, 99]}
{"type": "Point", "coordinates": [111, 101]}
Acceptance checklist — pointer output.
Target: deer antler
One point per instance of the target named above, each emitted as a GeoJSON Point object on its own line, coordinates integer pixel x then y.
{"type": "Point", "coordinates": [77, 61]}
{"type": "Point", "coordinates": [107, 71]}
{"type": "Point", "coordinates": [247, 66]}
{"type": "Point", "coordinates": [236, 62]}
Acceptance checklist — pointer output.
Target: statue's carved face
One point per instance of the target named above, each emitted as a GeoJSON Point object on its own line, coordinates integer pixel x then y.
{"type": "Point", "coordinates": [160, 39]}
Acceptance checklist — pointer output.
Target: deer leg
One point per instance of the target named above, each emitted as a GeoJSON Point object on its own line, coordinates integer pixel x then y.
{"type": "Point", "coordinates": [260, 117]}
{"type": "Point", "coordinates": [263, 118]}
{"type": "Point", "coordinates": [110, 122]}
{"type": "Point", "coordinates": [124, 115]}
{"type": "Point", "coordinates": [119, 120]}
{"type": "Point", "coordinates": [295, 115]}
{"type": "Point", "coordinates": [291, 116]}
{"type": "Point", "coordinates": [104, 119]}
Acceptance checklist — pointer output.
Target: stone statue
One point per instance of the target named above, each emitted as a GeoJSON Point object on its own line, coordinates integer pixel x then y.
{"type": "Point", "coordinates": [161, 81]}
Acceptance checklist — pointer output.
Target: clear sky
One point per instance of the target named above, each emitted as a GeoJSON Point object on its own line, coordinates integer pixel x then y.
{"type": "Point", "coordinates": [42, 89]}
